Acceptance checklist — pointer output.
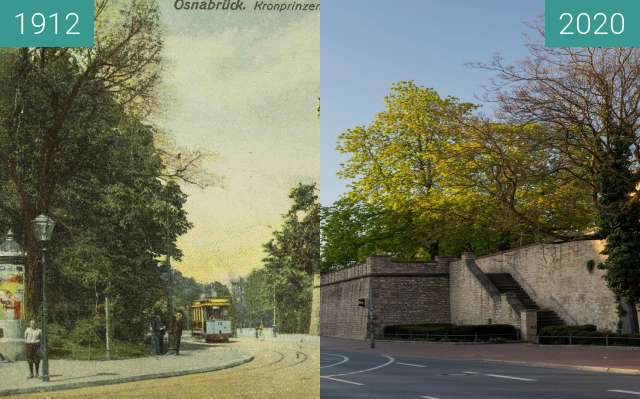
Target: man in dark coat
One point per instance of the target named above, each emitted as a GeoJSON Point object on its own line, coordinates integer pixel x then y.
{"type": "Point", "coordinates": [157, 334]}
{"type": "Point", "coordinates": [178, 325]}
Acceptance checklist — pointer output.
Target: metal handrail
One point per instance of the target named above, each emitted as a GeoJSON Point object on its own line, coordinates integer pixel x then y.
{"type": "Point", "coordinates": [471, 337]}
{"type": "Point", "coordinates": [609, 340]}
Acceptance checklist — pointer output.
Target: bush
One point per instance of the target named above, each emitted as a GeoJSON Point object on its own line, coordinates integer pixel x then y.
{"type": "Point", "coordinates": [450, 332]}
{"type": "Point", "coordinates": [56, 339]}
{"type": "Point", "coordinates": [567, 330]}
{"type": "Point", "coordinates": [585, 335]}
{"type": "Point", "coordinates": [88, 332]}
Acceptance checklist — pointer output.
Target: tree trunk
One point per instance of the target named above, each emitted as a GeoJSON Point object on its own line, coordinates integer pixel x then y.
{"type": "Point", "coordinates": [33, 270]}
{"type": "Point", "coordinates": [629, 317]}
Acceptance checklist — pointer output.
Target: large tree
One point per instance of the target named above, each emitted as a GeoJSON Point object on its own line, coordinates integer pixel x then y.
{"type": "Point", "coordinates": [55, 101]}
{"type": "Point", "coordinates": [293, 256]}
{"type": "Point", "coordinates": [75, 143]}
{"type": "Point", "coordinates": [430, 172]}
{"type": "Point", "coordinates": [587, 102]}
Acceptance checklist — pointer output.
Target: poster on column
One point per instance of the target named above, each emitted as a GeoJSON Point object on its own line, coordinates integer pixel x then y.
{"type": "Point", "coordinates": [11, 291]}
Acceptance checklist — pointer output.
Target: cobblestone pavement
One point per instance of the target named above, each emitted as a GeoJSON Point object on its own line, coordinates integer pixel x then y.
{"type": "Point", "coordinates": [284, 367]}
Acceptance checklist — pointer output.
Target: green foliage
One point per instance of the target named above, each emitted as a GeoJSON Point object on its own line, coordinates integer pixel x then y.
{"type": "Point", "coordinates": [568, 330]}
{"type": "Point", "coordinates": [238, 289]}
{"type": "Point", "coordinates": [88, 332]}
{"type": "Point", "coordinates": [584, 102]}
{"type": "Point", "coordinates": [74, 144]}
{"type": "Point", "coordinates": [186, 290]}
{"type": "Point", "coordinates": [293, 255]}
{"type": "Point", "coordinates": [619, 215]}
{"type": "Point", "coordinates": [431, 178]}
{"type": "Point", "coordinates": [258, 299]}
{"type": "Point", "coordinates": [585, 335]}
{"type": "Point", "coordinates": [353, 230]}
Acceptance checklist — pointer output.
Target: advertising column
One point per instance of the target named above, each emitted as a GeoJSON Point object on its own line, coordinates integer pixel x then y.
{"type": "Point", "coordinates": [11, 298]}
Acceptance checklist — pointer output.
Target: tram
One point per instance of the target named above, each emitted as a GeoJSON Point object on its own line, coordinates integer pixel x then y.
{"type": "Point", "coordinates": [210, 319]}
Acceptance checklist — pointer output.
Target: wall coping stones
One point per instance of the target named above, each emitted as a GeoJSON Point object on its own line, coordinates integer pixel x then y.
{"type": "Point", "coordinates": [383, 266]}
{"type": "Point", "coordinates": [470, 263]}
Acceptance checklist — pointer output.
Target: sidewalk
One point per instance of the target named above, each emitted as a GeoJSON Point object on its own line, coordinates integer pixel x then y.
{"type": "Point", "coordinates": [621, 360]}
{"type": "Point", "coordinates": [66, 374]}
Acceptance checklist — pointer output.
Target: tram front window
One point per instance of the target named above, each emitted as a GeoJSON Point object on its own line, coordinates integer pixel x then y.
{"type": "Point", "coordinates": [215, 313]}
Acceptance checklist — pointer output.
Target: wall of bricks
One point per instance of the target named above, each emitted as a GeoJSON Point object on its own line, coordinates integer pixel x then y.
{"type": "Point", "coordinates": [403, 293]}
{"type": "Point", "coordinates": [340, 315]}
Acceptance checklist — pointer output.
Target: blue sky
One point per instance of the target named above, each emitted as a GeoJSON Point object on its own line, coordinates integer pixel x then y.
{"type": "Point", "coordinates": [366, 45]}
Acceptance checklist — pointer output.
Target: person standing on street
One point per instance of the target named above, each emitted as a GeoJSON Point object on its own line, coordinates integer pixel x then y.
{"type": "Point", "coordinates": [157, 334]}
{"type": "Point", "coordinates": [32, 343]}
{"type": "Point", "coordinates": [178, 325]}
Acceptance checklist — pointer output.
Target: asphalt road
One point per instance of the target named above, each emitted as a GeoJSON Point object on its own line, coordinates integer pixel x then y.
{"type": "Point", "coordinates": [361, 375]}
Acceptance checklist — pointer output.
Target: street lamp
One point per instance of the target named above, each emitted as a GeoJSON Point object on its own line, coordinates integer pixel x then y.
{"type": "Point", "coordinates": [42, 229]}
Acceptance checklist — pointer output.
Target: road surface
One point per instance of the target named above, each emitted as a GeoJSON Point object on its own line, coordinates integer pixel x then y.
{"type": "Point", "coordinates": [359, 374]}
{"type": "Point", "coordinates": [283, 368]}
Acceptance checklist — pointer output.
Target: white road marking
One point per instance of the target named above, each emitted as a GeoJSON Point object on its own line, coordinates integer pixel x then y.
{"type": "Point", "coordinates": [389, 361]}
{"type": "Point", "coordinates": [623, 391]}
{"type": "Point", "coordinates": [471, 372]}
{"type": "Point", "coordinates": [411, 365]}
{"type": "Point", "coordinates": [429, 397]}
{"type": "Point", "coordinates": [344, 360]}
{"type": "Point", "coordinates": [340, 380]}
{"type": "Point", "coordinates": [508, 377]}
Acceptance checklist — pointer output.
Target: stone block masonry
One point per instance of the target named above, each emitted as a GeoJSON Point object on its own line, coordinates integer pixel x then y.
{"type": "Point", "coordinates": [562, 278]}
{"type": "Point", "coordinates": [403, 293]}
{"type": "Point", "coordinates": [474, 298]}
{"type": "Point", "coordinates": [557, 277]}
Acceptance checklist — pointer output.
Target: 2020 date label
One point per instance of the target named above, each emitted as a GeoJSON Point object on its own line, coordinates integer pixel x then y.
{"type": "Point", "coordinates": [592, 23]}
{"type": "Point", "coordinates": [46, 23]}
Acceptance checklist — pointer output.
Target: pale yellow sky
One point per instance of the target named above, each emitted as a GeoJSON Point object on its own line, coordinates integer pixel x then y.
{"type": "Point", "coordinates": [244, 86]}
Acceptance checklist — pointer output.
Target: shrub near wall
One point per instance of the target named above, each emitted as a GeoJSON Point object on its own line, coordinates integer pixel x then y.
{"type": "Point", "coordinates": [585, 335]}
{"type": "Point", "coordinates": [450, 332]}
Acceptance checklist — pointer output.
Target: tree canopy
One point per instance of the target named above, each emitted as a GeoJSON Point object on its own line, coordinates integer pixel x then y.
{"type": "Point", "coordinates": [76, 144]}
{"type": "Point", "coordinates": [559, 161]}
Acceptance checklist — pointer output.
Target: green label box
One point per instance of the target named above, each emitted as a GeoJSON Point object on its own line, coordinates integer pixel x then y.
{"type": "Point", "coordinates": [592, 23]}
{"type": "Point", "coordinates": [46, 23]}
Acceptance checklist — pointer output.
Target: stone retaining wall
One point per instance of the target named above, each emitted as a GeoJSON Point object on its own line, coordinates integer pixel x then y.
{"type": "Point", "coordinates": [403, 293]}
{"type": "Point", "coordinates": [556, 277]}
{"type": "Point", "coordinates": [475, 300]}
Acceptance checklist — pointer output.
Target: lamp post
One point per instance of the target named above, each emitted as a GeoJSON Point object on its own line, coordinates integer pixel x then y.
{"type": "Point", "coordinates": [42, 230]}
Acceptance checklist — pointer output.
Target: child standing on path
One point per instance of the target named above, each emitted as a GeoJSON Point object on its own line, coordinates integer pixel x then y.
{"type": "Point", "coordinates": [32, 342]}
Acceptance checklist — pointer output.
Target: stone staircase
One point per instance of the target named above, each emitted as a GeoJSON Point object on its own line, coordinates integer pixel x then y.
{"type": "Point", "coordinates": [504, 282]}
{"type": "Point", "coordinates": [548, 318]}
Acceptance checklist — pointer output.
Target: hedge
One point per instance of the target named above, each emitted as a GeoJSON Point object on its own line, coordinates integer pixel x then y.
{"type": "Point", "coordinates": [585, 335]}
{"type": "Point", "coordinates": [450, 332]}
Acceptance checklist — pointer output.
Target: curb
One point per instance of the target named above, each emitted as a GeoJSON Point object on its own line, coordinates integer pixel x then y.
{"type": "Point", "coordinates": [449, 343]}
{"type": "Point", "coordinates": [122, 380]}
{"type": "Point", "coordinates": [597, 369]}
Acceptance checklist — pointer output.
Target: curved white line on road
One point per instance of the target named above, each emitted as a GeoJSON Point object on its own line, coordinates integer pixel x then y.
{"type": "Point", "coordinates": [344, 360]}
{"type": "Point", "coordinates": [389, 361]}
{"type": "Point", "coordinates": [623, 391]}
